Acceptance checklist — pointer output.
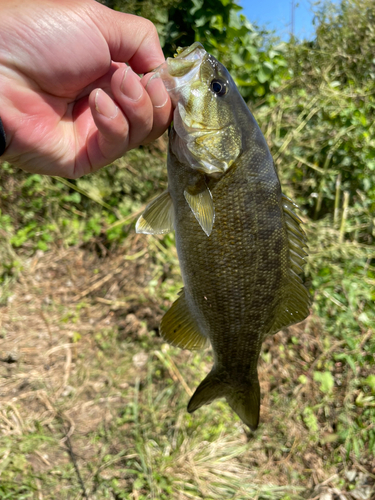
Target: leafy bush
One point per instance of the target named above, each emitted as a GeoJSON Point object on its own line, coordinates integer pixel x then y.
{"type": "Point", "coordinates": [323, 118]}
{"type": "Point", "coordinates": [256, 63]}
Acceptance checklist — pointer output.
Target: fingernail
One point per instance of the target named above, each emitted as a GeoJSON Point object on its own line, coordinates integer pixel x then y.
{"type": "Point", "coordinates": [104, 104]}
{"type": "Point", "coordinates": [157, 92]}
{"type": "Point", "coordinates": [131, 85]}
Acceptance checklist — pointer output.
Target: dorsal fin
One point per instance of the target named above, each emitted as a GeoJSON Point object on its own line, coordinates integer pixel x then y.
{"type": "Point", "coordinates": [295, 306]}
{"type": "Point", "coordinates": [179, 328]}
{"type": "Point", "coordinates": [157, 217]}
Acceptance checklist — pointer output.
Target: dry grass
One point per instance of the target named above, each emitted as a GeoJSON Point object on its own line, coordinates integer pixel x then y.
{"type": "Point", "coordinates": [93, 404]}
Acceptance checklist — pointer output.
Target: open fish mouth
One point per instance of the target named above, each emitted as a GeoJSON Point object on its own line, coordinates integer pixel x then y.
{"type": "Point", "coordinates": [200, 129]}
{"type": "Point", "coordinates": [185, 59]}
{"type": "Point", "coordinates": [178, 71]}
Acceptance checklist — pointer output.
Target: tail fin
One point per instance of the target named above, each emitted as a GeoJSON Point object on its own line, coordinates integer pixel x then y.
{"type": "Point", "coordinates": [243, 398]}
{"type": "Point", "coordinates": [246, 403]}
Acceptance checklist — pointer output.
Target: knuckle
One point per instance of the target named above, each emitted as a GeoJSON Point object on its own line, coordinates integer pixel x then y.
{"type": "Point", "coordinates": [148, 124]}
{"type": "Point", "coordinates": [139, 133]}
{"type": "Point", "coordinates": [151, 30]}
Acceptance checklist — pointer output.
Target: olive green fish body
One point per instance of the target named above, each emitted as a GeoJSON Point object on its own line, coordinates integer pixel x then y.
{"type": "Point", "coordinates": [240, 246]}
{"type": "Point", "coordinates": [235, 278]}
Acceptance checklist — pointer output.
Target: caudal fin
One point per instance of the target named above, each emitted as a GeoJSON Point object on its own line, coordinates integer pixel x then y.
{"type": "Point", "coordinates": [243, 398]}
{"type": "Point", "coordinates": [246, 403]}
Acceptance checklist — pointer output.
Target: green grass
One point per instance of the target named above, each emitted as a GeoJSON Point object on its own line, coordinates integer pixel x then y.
{"type": "Point", "coordinates": [94, 376]}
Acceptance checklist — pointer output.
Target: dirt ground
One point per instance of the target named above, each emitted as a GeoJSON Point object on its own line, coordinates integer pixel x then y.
{"type": "Point", "coordinates": [78, 341]}
{"type": "Point", "coordinates": [48, 330]}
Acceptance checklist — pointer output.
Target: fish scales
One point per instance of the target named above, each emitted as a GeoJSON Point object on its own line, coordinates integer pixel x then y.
{"type": "Point", "coordinates": [239, 243]}
{"type": "Point", "coordinates": [222, 272]}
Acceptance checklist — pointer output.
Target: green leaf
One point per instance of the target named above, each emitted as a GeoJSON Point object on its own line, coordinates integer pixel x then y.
{"type": "Point", "coordinates": [217, 22]}
{"type": "Point", "coordinates": [237, 59]}
{"type": "Point", "coordinates": [201, 22]}
{"type": "Point", "coordinates": [326, 381]}
{"type": "Point", "coordinates": [370, 381]}
{"type": "Point", "coordinates": [42, 245]}
{"type": "Point", "coordinates": [198, 4]}
{"type": "Point", "coordinates": [310, 419]}
{"type": "Point", "coordinates": [260, 90]}
{"type": "Point", "coordinates": [264, 74]}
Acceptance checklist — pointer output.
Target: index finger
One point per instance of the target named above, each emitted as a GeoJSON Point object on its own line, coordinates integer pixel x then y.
{"type": "Point", "coordinates": [131, 39]}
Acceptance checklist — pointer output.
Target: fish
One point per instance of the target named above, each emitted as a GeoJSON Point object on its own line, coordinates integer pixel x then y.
{"type": "Point", "coordinates": [240, 245]}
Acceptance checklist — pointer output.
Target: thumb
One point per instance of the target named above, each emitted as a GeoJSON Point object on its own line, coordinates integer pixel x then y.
{"type": "Point", "coordinates": [131, 39]}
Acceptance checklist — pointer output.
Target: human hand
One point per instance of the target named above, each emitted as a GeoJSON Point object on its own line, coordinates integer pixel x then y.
{"type": "Point", "coordinates": [68, 101]}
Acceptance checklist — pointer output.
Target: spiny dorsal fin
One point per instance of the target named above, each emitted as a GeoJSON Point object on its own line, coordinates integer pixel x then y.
{"type": "Point", "coordinates": [202, 206]}
{"type": "Point", "coordinates": [179, 328]}
{"type": "Point", "coordinates": [157, 217]}
{"type": "Point", "coordinates": [295, 306]}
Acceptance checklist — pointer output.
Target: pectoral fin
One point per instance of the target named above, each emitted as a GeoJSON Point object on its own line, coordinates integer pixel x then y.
{"type": "Point", "coordinates": [179, 328]}
{"type": "Point", "coordinates": [202, 206]}
{"type": "Point", "coordinates": [157, 217]}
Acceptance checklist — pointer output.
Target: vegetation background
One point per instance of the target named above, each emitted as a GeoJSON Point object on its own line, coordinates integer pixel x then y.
{"type": "Point", "coordinates": [92, 403]}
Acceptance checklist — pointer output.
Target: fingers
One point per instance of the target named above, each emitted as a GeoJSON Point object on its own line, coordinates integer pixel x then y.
{"type": "Point", "coordinates": [162, 106]}
{"type": "Point", "coordinates": [134, 116]}
{"type": "Point", "coordinates": [145, 103]}
{"type": "Point", "coordinates": [131, 39]}
{"type": "Point", "coordinates": [135, 103]}
{"type": "Point", "coordinates": [105, 141]}
{"type": "Point", "coordinates": [144, 109]}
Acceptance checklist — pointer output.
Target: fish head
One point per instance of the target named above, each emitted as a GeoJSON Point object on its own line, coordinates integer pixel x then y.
{"type": "Point", "coordinates": [206, 125]}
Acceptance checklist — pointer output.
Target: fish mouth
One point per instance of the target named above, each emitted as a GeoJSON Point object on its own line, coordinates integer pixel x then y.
{"type": "Point", "coordinates": [196, 140]}
{"type": "Point", "coordinates": [186, 59]}
{"type": "Point", "coordinates": [178, 71]}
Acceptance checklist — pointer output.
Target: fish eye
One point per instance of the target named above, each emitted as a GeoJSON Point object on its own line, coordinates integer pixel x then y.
{"type": "Point", "coordinates": [219, 87]}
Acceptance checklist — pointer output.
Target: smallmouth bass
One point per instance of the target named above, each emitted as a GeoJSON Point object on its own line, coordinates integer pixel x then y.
{"type": "Point", "coordinates": [241, 248]}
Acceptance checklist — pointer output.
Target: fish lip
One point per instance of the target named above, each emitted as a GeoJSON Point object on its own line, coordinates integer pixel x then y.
{"type": "Point", "coordinates": [184, 52]}
{"type": "Point", "coordinates": [178, 71]}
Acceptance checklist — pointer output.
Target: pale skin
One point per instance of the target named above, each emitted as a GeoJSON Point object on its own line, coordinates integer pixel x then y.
{"type": "Point", "coordinates": [71, 100]}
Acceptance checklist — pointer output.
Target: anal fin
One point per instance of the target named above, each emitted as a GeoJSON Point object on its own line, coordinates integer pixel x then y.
{"type": "Point", "coordinates": [157, 217]}
{"type": "Point", "coordinates": [180, 329]}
